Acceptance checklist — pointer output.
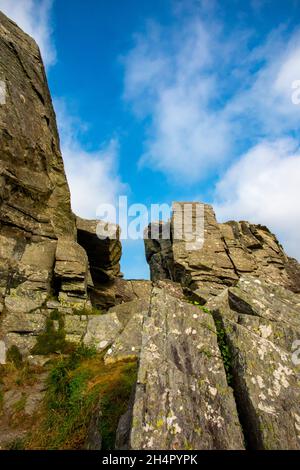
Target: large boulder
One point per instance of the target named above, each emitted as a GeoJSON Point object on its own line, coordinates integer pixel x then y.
{"type": "Point", "coordinates": [182, 398]}
{"type": "Point", "coordinates": [118, 331]}
{"type": "Point", "coordinates": [71, 270]}
{"type": "Point", "coordinates": [228, 251]}
{"type": "Point", "coordinates": [49, 260]}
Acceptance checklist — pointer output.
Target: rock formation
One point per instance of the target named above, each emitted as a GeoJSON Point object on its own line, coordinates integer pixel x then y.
{"type": "Point", "coordinates": [46, 252]}
{"type": "Point", "coordinates": [230, 250]}
{"type": "Point", "coordinates": [213, 335]}
{"type": "Point", "coordinates": [261, 323]}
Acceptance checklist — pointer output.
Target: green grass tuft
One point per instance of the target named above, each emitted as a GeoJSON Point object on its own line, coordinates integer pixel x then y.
{"type": "Point", "coordinates": [88, 311]}
{"type": "Point", "coordinates": [224, 349]}
{"type": "Point", "coordinates": [53, 339]}
{"type": "Point", "coordinates": [77, 385]}
{"type": "Point", "coordinates": [14, 356]}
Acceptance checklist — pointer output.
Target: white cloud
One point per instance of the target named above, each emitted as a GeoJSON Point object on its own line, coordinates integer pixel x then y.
{"type": "Point", "coordinates": [33, 16]}
{"type": "Point", "coordinates": [263, 187]}
{"type": "Point", "coordinates": [215, 103]}
{"type": "Point", "coordinates": [205, 92]}
{"type": "Point", "coordinates": [265, 103]}
{"type": "Point", "coordinates": [92, 175]}
{"type": "Point", "coordinates": [170, 78]}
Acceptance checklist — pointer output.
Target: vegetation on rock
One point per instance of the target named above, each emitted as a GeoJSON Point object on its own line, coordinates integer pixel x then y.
{"type": "Point", "coordinates": [53, 339]}
{"type": "Point", "coordinates": [14, 356]}
{"type": "Point", "coordinates": [76, 385]}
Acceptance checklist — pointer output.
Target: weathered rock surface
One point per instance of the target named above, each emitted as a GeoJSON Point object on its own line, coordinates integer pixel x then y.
{"type": "Point", "coordinates": [45, 251]}
{"type": "Point", "coordinates": [20, 406]}
{"type": "Point", "coordinates": [94, 438]}
{"type": "Point", "coordinates": [102, 330]}
{"type": "Point", "coordinates": [103, 254]}
{"type": "Point", "coordinates": [182, 398]}
{"type": "Point", "coordinates": [75, 327]}
{"type": "Point", "coordinates": [34, 192]}
{"type": "Point", "coordinates": [118, 331]}
{"type": "Point", "coordinates": [127, 344]}
{"type": "Point", "coordinates": [71, 270]}
{"type": "Point", "coordinates": [117, 291]}
{"type": "Point", "coordinates": [229, 251]}
{"type": "Point", "coordinates": [35, 206]}
{"type": "Point", "coordinates": [261, 323]}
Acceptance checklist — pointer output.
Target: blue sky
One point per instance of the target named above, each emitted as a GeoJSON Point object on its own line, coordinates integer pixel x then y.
{"type": "Point", "coordinates": [176, 100]}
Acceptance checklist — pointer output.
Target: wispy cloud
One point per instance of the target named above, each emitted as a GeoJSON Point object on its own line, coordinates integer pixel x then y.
{"type": "Point", "coordinates": [33, 16]}
{"type": "Point", "coordinates": [92, 175]}
{"type": "Point", "coordinates": [264, 104]}
{"type": "Point", "coordinates": [169, 76]}
{"type": "Point", "coordinates": [206, 93]}
{"type": "Point", "coordinates": [263, 187]}
{"type": "Point", "coordinates": [262, 184]}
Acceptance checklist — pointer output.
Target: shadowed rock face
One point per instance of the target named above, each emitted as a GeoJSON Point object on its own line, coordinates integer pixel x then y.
{"type": "Point", "coordinates": [104, 254]}
{"type": "Point", "coordinates": [39, 252]}
{"type": "Point", "coordinates": [34, 192]}
{"type": "Point", "coordinates": [229, 251]}
{"type": "Point", "coordinates": [34, 195]}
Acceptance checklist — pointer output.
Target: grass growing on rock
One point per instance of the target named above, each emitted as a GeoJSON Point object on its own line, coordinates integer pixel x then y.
{"type": "Point", "coordinates": [14, 356]}
{"type": "Point", "coordinates": [53, 339]}
{"type": "Point", "coordinates": [21, 383]}
{"type": "Point", "coordinates": [88, 311]}
{"type": "Point", "coordinates": [222, 342]}
{"type": "Point", "coordinates": [224, 349]}
{"type": "Point", "coordinates": [202, 307]}
{"type": "Point", "coordinates": [77, 385]}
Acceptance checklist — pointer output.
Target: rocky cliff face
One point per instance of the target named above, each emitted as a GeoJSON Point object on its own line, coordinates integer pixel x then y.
{"type": "Point", "coordinates": [203, 356]}
{"type": "Point", "coordinates": [46, 254]}
{"type": "Point", "coordinates": [230, 250]}
{"type": "Point", "coordinates": [35, 196]}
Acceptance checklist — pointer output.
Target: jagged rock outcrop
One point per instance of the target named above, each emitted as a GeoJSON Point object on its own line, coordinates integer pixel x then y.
{"type": "Point", "coordinates": [45, 251]}
{"type": "Point", "coordinates": [229, 251]}
{"type": "Point", "coordinates": [34, 199]}
{"type": "Point", "coordinates": [104, 254]}
{"type": "Point", "coordinates": [35, 196]}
